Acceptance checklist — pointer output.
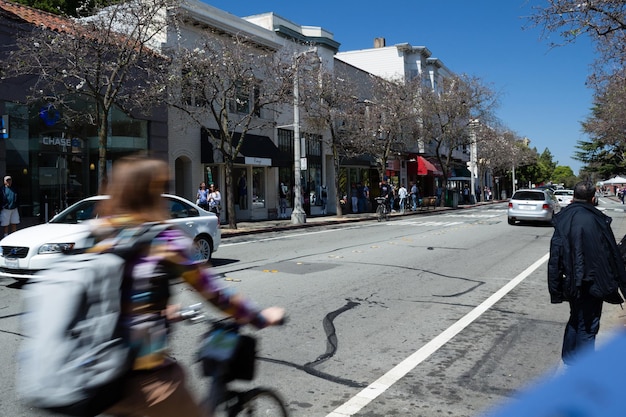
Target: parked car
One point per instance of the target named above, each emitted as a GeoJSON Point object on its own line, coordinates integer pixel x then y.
{"type": "Point", "coordinates": [31, 249]}
{"type": "Point", "coordinates": [532, 205]}
{"type": "Point", "coordinates": [564, 196]}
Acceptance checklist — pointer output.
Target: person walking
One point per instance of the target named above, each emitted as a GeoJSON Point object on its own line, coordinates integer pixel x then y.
{"type": "Point", "coordinates": [324, 197]}
{"type": "Point", "coordinates": [354, 198]}
{"type": "Point", "coordinates": [414, 196]}
{"type": "Point", "coordinates": [363, 192]}
{"type": "Point", "coordinates": [156, 386]}
{"type": "Point", "coordinates": [202, 196]}
{"type": "Point", "coordinates": [10, 215]}
{"type": "Point", "coordinates": [215, 200]}
{"type": "Point", "coordinates": [242, 189]}
{"type": "Point", "coordinates": [402, 193]}
{"type": "Point", "coordinates": [585, 268]}
{"type": "Point", "coordinates": [282, 203]}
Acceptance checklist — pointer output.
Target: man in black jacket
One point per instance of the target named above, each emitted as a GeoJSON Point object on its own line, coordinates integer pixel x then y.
{"type": "Point", "coordinates": [585, 268]}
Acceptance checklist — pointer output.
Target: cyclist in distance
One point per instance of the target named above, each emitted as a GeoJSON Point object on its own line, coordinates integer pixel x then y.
{"type": "Point", "coordinates": [156, 385]}
{"type": "Point", "coordinates": [386, 192]}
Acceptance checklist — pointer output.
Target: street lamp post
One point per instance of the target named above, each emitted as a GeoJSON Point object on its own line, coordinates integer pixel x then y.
{"type": "Point", "coordinates": [473, 151]}
{"type": "Point", "coordinates": [298, 215]}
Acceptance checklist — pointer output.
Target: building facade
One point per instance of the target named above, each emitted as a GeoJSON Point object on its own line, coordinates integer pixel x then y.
{"type": "Point", "coordinates": [54, 164]}
{"type": "Point", "coordinates": [398, 63]}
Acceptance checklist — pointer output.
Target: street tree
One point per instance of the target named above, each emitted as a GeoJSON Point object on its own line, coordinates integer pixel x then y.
{"type": "Point", "coordinates": [85, 67]}
{"type": "Point", "coordinates": [502, 151]}
{"type": "Point", "coordinates": [564, 175]}
{"type": "Point", "coordinates": [229, 85]}
{"type": "Point", "coordinates": [332, 109]}
{"type": "Point", "coordinates": [450, 111]}
{"type": "Point", "coordinates": [600, 159]}
{"type": "Point", "coordinates": [388, 122]}
{"type": "Point", "coordinates": [606, 126]}
{"type": "Point", "coordinates": [602, 21]}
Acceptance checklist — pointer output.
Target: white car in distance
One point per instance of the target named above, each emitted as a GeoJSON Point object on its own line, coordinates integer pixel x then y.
{"type": "Point", "coordinates": [564, 196]}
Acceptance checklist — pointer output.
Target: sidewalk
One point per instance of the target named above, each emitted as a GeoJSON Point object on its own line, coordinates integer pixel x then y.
{"type": "Point", "coordinates": [246, 228]}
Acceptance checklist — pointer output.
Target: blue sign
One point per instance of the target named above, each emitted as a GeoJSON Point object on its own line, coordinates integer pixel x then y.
{"type": "Point", "coordinates": [4, 126]}
{"type": "Point", "coordinates": [49, 115]}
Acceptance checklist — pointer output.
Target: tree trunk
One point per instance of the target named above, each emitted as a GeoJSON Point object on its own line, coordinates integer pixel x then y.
{"type": "Point", "coordinates": [103, 129]}
{"type": "Point", "coordinates": [230, 193]}
{"type": "Point", "coordinates": [338, 208]}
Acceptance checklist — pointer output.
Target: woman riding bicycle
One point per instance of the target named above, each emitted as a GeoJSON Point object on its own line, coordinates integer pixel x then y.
{"type": "Point", "coordinates": [156, 385]}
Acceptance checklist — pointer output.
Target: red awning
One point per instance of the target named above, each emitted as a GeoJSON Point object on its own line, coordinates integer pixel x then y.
{"type": "Point", "coordinates": [425, 167]}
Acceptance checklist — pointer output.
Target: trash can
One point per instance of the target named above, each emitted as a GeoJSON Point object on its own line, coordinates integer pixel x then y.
{"type": "Point", "coordinates": [455, 200]}
{"type": "Point", "coordinates": [272, 214]}
{"type": "Point", "coordinates": [503, 195]}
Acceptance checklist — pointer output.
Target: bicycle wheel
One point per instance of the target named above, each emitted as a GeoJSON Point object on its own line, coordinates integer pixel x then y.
{"type": "Point", "coordinates": [262, 402]}
{"type": "Point", "coordinates": [380, 212]}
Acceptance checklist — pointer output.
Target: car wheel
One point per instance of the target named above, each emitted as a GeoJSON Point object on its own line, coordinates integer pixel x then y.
{"type": "Point", "coordinates": [511, 221]}
{"type": "Point", "coordinates": [202, 249]}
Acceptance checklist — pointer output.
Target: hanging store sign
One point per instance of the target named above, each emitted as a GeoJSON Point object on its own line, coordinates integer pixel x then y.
{"type": "Point", "coordinates": [252, 160]}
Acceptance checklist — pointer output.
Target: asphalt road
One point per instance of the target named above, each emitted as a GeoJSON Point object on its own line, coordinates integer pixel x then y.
{"type": "Point", "coordinates": [443, 315]}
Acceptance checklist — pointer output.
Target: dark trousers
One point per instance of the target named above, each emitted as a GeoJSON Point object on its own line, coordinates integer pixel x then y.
{"type": "Point", "coordinates": [583, 325]}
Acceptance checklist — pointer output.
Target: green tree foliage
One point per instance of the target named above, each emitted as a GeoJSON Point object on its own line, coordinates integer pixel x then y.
{"type": "Point", "coordinates": [545, 166]}
{"type": "Point", "coordinates": [564, 175]}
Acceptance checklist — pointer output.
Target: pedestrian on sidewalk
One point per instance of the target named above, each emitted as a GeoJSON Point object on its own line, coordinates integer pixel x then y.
{"type": "Point", "coordinates": [402, 193]}
{"type": "Point", "coordinates": [282, 196]}
{"type": "Point", "coordinates": [10, 215]}
{"type": "Point", "coordinates": [414, 196]}
{"type": "Point", "coordinates": [585, 268]}
{"type": "Point", "coordinates": [354, 198]}
{"type": "Point", "coordinates": [202, 196]}
{"type": "Point", "coordinates": [215, 200]}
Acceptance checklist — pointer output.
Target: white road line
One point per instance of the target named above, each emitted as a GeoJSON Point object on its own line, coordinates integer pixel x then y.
{"type": "Point", "coordinates": [383, 383]}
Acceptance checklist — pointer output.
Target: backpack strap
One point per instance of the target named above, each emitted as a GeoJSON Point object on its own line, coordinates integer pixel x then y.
{"type": "Point", "coordinates": [146, 233]}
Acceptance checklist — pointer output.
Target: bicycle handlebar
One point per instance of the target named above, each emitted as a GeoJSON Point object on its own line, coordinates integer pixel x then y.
{"type": "Point", "coordinates": [194, 313]}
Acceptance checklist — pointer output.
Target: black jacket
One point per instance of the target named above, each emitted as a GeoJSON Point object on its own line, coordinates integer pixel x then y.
{"type": "Point", "coordinates": [583, 248]}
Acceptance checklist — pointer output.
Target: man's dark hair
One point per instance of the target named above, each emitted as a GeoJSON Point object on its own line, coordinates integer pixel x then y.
{"type": "Point", "coordinates": [585, 190]}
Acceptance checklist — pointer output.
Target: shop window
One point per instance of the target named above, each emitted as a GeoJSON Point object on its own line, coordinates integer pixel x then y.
{"type": "Point", "coordinates": [258, 188]}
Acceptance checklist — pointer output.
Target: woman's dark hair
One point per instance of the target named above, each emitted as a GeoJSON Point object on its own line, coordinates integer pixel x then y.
{"type": "Point", "coordinates": [135, 189]}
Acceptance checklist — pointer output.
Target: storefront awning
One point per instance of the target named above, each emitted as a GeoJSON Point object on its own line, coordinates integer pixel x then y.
{"type": "Point", "coordinates": [255, 150]}
{"type": "Point", "coordinates": [426, 167]}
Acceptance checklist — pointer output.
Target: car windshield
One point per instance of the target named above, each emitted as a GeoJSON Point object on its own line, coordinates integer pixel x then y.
{"type": "Point", "coordinates": [77, 213]}
{"type": "Point", "coordinates": [529, 195]}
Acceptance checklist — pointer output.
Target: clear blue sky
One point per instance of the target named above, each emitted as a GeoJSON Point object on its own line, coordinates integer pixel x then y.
{"type": "Point", "coordinates": [542, 91]}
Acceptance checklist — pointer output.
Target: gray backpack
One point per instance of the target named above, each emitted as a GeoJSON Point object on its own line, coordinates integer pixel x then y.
{"type": "Point", "coordinates": [74, 353]}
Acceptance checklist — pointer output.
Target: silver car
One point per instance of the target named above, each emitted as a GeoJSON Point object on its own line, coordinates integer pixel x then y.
{"type": "Point", "coordinates": [31, 249]}
{"type": "Point", "coordinates": [532, 205]}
